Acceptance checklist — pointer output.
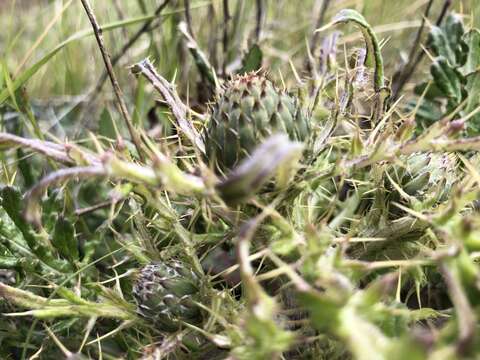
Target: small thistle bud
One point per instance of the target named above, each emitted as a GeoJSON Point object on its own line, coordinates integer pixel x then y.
{"type": "Point", "coordinates": [426, 176]}
{"type": "Point", "coordinates": [165, 293]}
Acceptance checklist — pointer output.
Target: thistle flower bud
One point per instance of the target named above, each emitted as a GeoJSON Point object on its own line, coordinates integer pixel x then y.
{"type": "Point", "coordinates": [164, 293]}
{"type": "Point", "coordinates": [249, 109]}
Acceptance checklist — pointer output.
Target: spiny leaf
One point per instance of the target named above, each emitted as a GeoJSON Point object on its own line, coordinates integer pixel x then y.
{"type": "Point", "coordinates": [472, 64]}
{"type": "Point", "coordinates": [64, 239]}
{"type": "Point", "coordinates": [471, 70]}
{"type": "Point", "coordinates": [440, 45]}
{"type": "Point", "coordinates": [11, 202]}
{"type": "Point", "coordinates": [447, 79]}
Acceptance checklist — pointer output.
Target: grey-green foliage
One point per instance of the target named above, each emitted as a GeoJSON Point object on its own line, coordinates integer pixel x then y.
{"type": "Point", "coordinates": [455, 78]}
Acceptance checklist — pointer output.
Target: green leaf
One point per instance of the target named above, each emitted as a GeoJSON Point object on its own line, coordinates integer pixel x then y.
{"type": "Point", "coordinates": [11, 202]}
{"type": "Point", "coordinates": [472, 64]}
{"type": "Point", "coordinates": [447, 79]}
{"type": "Point", "coordinates": [439, 44]}
{"type": "Point", "coordinates": [252, 60]}
{"type": "Point", "coordinates": [64, 239]}
{"type": "Point", "coordinates": [432, 92]}
{"type": "Point", "coordinates": [199, 57]}
{"type": "Point", "coordinates": [453, 71]}
{"type": "Point", "coordinates": [471, 69]}
{"type": "Point", "coordinates": [13, 236]}
{"type": "Point", "coordinates": [473, 102]}
{"type": "Point", "coordinates": [455, 31]}
{"type": "Point", "coordinates": [447, 41]}
{"type": "Point", "coordinates": [427, 113]}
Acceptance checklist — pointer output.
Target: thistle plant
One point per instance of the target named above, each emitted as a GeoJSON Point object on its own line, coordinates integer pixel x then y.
{"type": "Point", "coordinates": [268, 221]}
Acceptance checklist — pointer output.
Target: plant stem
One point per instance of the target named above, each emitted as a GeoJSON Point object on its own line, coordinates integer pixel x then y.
{"type": "Point", "coordinates": [260, 19]}
{"type": "Point", "coordinates": [116, 58]}
{"type": "Point", "coordinates": [318, 24]}
{"type": "Point", "coordinates": [226, 19]}
{"type": "Point", "coordinates": [116, 87]}
{"type": "Point", "coordinates": [188, 17]}
{"type": "Point", "coordinates": [410, 66]}
{"type": "Point", "coordinates": [413, 63]}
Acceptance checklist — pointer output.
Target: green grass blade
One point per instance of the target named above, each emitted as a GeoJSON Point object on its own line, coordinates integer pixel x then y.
{"type": "Point", "coordinates": [32, 70]}
{"type": "Point", "coordinates": [10, 89]}
{"type": "Point", "coordinates": [27, 74]}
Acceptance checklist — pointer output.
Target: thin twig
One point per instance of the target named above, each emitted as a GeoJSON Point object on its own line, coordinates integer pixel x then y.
{"type": "Point", "coordinates": [416, 43]}
{"type": "Point", "coordinates": [260, 17]}
{"type": "Point", "coordinates": [313, 44]}
{"type": "Point", "coordinates": [421, 54]}
{"type": "Point", "coordinates": [445, 7]}
{"type": "Point", "coordinates": [438, 146]}
{"type": "Point", "coordinates": [226, 19]}
{"type": "Point", "coordinates": [318, 24]}
{"type": "Point", "coordinates": [63, 153]}
{"type": "Point", "coordinates": [116, 87]}
{"type": "Point", "coordinates": [116, 58]}
{"type": "Point", "coordinates": [89, 209]}
{"type": "Point", "coordinates": [409, 67]}
{"type": "Point", "coordinates": [52, 150]}
{"type": "Point", "coordinates": [188, 18]}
